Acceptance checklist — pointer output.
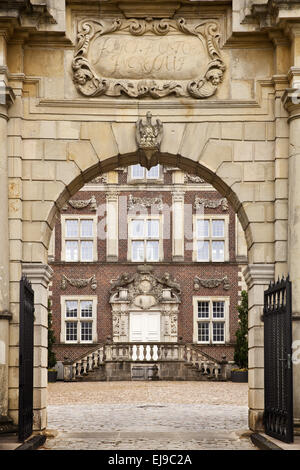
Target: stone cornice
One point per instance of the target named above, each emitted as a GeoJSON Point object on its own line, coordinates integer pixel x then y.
{"type": "Point", "coordinates": [26, 11]}
{"type": "Point", "coordinates": [259, 274]}
{"type": "Point", "coordinates": [291, 102]}
{"type": "Point", "coordinates": [270, 14]}
{"type": "Point", "coordinates": [37, 273]}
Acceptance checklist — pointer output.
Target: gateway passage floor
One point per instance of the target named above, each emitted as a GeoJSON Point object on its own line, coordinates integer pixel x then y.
{"type": "Point", "coordinates": [148, 415]}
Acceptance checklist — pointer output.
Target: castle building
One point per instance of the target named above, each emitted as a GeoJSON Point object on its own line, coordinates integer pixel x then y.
{"type": "Point", "coordinates": [146, 256]}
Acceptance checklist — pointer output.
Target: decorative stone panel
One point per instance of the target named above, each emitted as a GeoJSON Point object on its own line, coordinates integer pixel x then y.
{"type": "Point", "coordinates": [137, 58]}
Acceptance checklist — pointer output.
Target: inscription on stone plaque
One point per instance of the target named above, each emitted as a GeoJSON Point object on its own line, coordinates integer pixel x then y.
{"type": "Point", "coordinates": [165, 58]}
{"type": "Point", "coordinates": [153, 58]}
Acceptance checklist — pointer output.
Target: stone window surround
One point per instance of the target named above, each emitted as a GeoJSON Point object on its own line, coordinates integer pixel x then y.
{"type": "Point", "coordinates": [210, 299]}
{"type": "Point", "coordinates": [63, 237]}
{"type": "Point", "coordinates": [92, 319]}
{"type": "Point", "coordinates": [131, 180]}
{"type": "Point", "coordinates": [130, 239]}
{"type": "Point", "coordinates": [210, 238]}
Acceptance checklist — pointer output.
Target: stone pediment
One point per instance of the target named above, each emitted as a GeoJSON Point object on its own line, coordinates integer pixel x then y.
{"type": "Point", "coordinates": [144, 289]}
{"type": "Point", "coordinates": [149, 57]}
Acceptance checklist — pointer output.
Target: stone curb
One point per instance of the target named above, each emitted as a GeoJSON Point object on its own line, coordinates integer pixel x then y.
{"type": "Point", "coordinates": [33, 443]}
{"type": "Point", "coordinates": [262, 443]}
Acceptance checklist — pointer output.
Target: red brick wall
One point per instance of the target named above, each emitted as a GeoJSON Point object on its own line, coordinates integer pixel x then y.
{"type": "Point", "coordinates": [184, 272]}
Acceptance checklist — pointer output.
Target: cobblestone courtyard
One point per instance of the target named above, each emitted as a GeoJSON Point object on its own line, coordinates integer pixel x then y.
{"type": "Point", "coordinates": [147, 416]}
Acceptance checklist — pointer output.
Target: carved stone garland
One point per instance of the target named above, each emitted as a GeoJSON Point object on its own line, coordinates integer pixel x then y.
{"type": "Point", "coordinates": [211, 204]}
{"type": "Point", "coordinates": [211, 283]}
{"type": "Point", "coordinates": [102, 179]}
{"type": "Point", "coordinates": [79, 283]}
{"type": "Point", "coordinates": [81, 204]}
{"type": "Point", "coordinates": [146, 202]}
{"type": "Point", "coordinates": [97, 63]}
{"type": "Point", "coordinates": [193, 178]}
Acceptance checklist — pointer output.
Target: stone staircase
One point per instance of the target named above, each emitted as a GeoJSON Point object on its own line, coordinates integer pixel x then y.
{"type": "Point", "coordinates": [145, 361]}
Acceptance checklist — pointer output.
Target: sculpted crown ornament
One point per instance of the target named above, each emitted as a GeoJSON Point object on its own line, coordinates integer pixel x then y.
{"type": "Point", "coordinates": [148, 57]}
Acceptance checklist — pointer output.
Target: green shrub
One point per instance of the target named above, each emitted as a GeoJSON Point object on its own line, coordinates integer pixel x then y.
{"type": "Point", "coordinates": [241, 346]}
{"type": "Point", "coordinates": [51, 340]}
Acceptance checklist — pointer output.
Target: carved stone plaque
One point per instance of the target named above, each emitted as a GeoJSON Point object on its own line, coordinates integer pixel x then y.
{"type": "Point", "coordinates": [155, 58]}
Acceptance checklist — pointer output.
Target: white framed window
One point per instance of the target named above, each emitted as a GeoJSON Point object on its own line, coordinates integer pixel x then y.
{"type": "Point", "coordinates": [145, 238]}
{"type": "Point", "coordinates": [79, 238]}
{"type": "Point", "coordinates": [78, 319]}
{"type": "Point", "coordinates": [211, 320]}
{"type": "Point", "coordinates": [211, 238]}
{"type": "Point", "coordinates": [139, 174]}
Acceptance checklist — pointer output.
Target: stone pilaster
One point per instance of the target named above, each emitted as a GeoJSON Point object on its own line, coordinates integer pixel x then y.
{"type": "Point", "coordinates": [178, 225]}
{"type": "Point", "coordinates": [6, 98]}
{"type": "Point", "coordinates": [291, 100]}
{"type": "Point", "coordinates": [39, 275]}
{"type": "Point", "coordinates": [112, 217]}
{"type": "Point", "coordinates": [281, 180]}
{"type": "Point", "coordinates": [257, 277]}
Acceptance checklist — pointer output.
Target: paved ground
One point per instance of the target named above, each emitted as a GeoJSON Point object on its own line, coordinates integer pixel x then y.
{"type": "Point", "coordinates": [148, 416]}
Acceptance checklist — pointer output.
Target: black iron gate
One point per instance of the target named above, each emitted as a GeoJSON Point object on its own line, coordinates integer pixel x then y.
{"type": "Point", "coordinates": [26, 359]}
{"type": "Point", "coordinates": [278, 414]}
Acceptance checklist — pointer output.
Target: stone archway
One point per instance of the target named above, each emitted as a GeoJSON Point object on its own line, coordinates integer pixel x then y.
{"type": "Point", "coordinates": [55, 138]}
{"type": "Point", "coordinates": [258, 274]}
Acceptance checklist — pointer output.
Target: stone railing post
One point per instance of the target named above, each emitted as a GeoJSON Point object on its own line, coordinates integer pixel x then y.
{"type": "Point", "coordinates": [224, 368]}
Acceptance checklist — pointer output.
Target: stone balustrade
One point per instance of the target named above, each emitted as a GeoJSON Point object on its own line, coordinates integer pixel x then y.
{"type": "Point", "coordinates": [144, 353]}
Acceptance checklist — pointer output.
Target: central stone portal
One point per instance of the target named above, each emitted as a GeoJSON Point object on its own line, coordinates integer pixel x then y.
{"type": "Point", "coordinates": [145, 307]}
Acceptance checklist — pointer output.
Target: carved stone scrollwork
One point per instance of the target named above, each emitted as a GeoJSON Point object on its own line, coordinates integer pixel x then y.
{"type": "Point", "coordinates": [144, 288]}
{"type": "Point", "coordinates": [211, 283]}
{"type": "Point", "coordinates": [211, 204]}
{"type": "Point", "coordinates": [109, 61]}
{"type": "Point", "coordinates": [78, 282]}
{"type": "Point", "coordinates": [143, 291]}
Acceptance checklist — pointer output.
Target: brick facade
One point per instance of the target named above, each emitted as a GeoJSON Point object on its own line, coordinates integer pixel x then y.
{"type": "Point", "coordinates": [184, 271]}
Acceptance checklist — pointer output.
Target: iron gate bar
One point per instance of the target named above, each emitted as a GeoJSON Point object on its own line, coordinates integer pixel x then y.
{"type": "Point", "coordinates": [278, 373]}
{"type": "Point", "coordinates": [26, 359]}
